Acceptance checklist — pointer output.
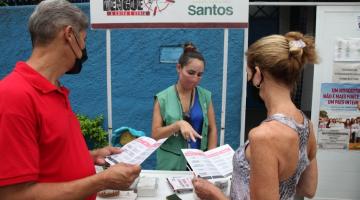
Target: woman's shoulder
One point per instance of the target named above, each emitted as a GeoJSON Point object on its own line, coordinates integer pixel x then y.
{"type": "Point", "coordinates": [166, 91]}
{"type": "Point", "coordinates": [271, 131]}
{"type": "Point", "coordinates": [273, 138]}
{"type": "Point", "coordinates": [204, 93]}
{"type": "Point", "coordinates": [201, 89]}
{"type": "Point", "coordinates": [261, 132]}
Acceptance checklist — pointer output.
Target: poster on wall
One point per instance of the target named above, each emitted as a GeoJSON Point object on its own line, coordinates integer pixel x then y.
{"type": "Point", "coordinates": [347, 49]}
{"type": "Point", "coordinates": [346, 72]}
{"type": "Point", "coordinates": [339, 117]}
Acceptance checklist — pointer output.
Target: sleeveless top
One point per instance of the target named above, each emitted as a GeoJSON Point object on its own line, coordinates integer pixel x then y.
{"type": "Point", "coordinates": [287, 188]}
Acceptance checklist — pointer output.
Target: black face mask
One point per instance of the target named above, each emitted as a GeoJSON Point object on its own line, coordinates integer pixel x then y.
{"type": "Point", "coordinates": [78, 61]}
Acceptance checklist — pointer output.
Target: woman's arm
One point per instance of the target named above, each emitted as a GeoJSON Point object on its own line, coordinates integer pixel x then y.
{"type": "Point", "coordinates": [309, 178]}
{"type": "Point", "coordinates": [206, 190]}
{"type": "Point", "coordinates": [159, 131]}
{"type": "Point", "coordinates": [264, 173]}
{"type": "Point", "coordinates": [308, 181]}
{"type": "Point", "coordinates": [212, 131]}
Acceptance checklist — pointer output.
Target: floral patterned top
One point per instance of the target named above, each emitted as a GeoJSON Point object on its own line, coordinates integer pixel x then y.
{"type": "Point", "coordinates": [287, 188]}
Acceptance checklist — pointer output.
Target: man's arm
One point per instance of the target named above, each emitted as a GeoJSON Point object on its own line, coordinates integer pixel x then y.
{"type": "Point", "coordinates": [119, 176]}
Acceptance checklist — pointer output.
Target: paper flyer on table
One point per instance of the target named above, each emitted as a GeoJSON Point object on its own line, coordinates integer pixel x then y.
{"type": "Point", "coordinates": [181, 184]}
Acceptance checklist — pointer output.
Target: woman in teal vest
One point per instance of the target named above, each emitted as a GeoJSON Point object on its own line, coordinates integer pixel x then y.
{"type": "Point", "coordinates": [184, 113]}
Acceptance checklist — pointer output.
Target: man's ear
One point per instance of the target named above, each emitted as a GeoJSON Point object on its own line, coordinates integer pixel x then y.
{"type": "Point", "coordinates": [257, 77]}
{"type": "Point", "coordinates": [68, 33]}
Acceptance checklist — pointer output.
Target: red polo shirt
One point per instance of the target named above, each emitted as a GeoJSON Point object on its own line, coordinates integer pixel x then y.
{"type": "Point", "coordinates": [40, 136]}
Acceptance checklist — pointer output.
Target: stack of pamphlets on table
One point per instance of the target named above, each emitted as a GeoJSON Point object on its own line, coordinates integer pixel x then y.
{"type": "Point", "coordinates": [147, 187]}
{"type": "Point", "coordinates": [180, 184]}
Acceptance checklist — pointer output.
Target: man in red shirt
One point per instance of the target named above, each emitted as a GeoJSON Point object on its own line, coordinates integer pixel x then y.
{"type": "Point", "coordinates": [43, 153]}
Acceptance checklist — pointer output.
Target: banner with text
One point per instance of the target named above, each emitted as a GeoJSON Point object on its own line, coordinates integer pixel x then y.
{"type": "Point", "coordinates": [107, 14]}
{"type": "Point", "coordinates": [339, 118]}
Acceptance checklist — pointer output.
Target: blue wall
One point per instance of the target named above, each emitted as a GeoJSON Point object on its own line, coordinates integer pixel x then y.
{"type": "Point", "coordinates": [137, 73]}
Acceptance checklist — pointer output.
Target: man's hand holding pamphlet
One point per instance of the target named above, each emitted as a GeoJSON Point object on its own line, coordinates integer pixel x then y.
{"type": "Point", "coordinates": [136, 151]}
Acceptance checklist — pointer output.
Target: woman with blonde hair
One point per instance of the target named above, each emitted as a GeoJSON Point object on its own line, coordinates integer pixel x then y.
{"type": "Point", "coordinates": [279, 159]}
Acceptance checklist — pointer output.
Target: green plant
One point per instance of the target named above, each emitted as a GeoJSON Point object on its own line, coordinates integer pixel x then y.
{"type": "Point", "coordinates": [2, 3]}
{"type": "Point", "coordinates": [93, 131]}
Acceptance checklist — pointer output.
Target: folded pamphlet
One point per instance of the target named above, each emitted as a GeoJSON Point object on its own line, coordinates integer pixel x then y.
{"type": "Point", "coordinates": [136, 151]}
{"type": "Point", "coordinates": [215, 163]}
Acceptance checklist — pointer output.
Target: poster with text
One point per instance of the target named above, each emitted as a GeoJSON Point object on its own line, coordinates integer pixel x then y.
{"type": "Point", "coordinates": [347, 49]}
{"type": "Point", "coordinates": [339, 117]}
{"type": "Point", "coordinates": [346, 72]}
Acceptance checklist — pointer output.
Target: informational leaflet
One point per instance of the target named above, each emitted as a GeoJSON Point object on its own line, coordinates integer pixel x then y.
{"type": "Point", "coordinates": [346, 72]}
{"type": "Point", "coordinates": [215, 163]}
{"type": "Point", "coordinates": [180, 184]}
{"type": "Point", "coordinates": [136, 151]}
{"type": "Point", "coordinates": [347, 49]}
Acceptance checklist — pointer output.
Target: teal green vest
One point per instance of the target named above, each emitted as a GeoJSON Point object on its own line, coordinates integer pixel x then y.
{"type": "Point", "coordinates": [169, 155]}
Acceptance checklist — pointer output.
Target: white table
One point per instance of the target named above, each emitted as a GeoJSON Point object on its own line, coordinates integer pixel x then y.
{"type": "Point", "coordinates": [163, 187]}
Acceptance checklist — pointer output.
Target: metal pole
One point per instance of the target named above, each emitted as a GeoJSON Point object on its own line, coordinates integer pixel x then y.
{"type": "Point", "coordinates": [244, 88]}
{"type": "Point", "coordinates": [108, 82]}
{"type": "Point", "coordinates": [224, 85]}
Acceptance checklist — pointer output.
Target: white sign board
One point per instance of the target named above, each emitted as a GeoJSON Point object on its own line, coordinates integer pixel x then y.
{"type": "Point", "coordinates": [107, 14]}
{"type": "Point", "coordinates": [338, 170]}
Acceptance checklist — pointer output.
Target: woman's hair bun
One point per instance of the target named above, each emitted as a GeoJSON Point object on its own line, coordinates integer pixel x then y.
{"type": "Point", "coordinates": [302, 47]}
{"type": "Point", "coordinates": [296, 43]}
{"type": "Point", "coordinates": [189, 52]}
{"type": "Point", "coordinates": [282, 56]}
{"type": "Point", "coordinates": [189, 47]}
{"type": "Point", "coordinates": [296, 47]}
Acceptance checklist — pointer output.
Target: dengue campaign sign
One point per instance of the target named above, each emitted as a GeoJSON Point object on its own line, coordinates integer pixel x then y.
{"type": "Point", "coordinates": [107, 14]}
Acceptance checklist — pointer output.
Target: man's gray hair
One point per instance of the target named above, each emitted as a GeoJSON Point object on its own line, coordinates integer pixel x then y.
{"type": "Point", "coordinates": [50, 16]}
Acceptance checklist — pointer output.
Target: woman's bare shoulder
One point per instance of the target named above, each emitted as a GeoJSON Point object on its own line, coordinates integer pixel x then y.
{"type": "Point", "coordinates": [273, 133]}
{"type": "Point", "coordinates": [262, 132]}
{"type": "Point", "coordinates": [268, 129]}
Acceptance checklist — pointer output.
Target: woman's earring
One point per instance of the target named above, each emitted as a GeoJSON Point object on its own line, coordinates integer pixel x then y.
{"type": "Point", "coordinates": [257, 70]}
